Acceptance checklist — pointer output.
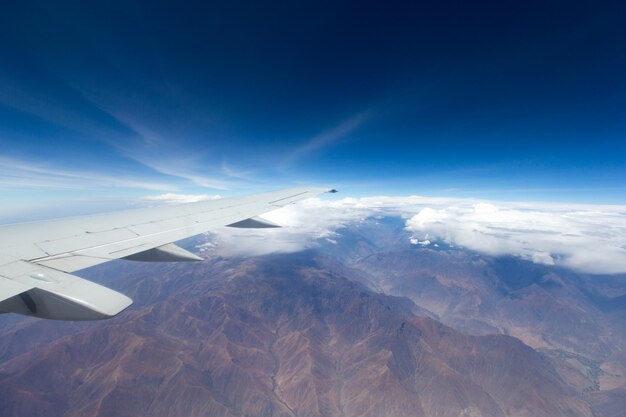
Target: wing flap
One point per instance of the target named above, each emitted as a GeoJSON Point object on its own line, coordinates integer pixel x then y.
{"type": "Point", "coordinates": [72, 243]}
{"type": "Point", "coordinates": [10, 288]}
{"type": "Point", "coordinates": [160, 225]}
{"type": "Point", "coordinates": [51, 294]}
{"type": "Point", "coordinates": [70, 262]}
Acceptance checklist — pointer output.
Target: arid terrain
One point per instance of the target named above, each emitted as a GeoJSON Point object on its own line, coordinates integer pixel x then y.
{"type": "Point", "coordinates": [364, 325]}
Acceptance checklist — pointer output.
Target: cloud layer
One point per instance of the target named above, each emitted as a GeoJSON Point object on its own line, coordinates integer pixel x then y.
{"type": "Point", "coordinates": [586, 238]}
{"type": "Point", "coordinates": [591, 240]}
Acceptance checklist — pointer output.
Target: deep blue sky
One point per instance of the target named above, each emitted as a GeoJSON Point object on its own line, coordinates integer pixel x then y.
{"type": "Point", "coordinates": [109, 101]}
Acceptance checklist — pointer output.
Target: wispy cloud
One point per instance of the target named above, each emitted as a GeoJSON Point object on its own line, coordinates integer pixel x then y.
{"type": "Point", "coordinates": [17, 173]}
{"type": "Point", "coordinates": [134, 132]}
{"type": "Point", "coordinates": [181, 166]}
{"type": "Point", "coordinates": [328, 137]}
{"type": "Point", "coordinates": [171, 157]}
{"type": "Point", "coordinates": [230, 171]}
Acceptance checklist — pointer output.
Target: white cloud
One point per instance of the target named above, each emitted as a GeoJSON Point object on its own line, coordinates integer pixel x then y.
{"type": "Point", "coordinates": [172, 198]}
{"type": "Point", "coordinates": [587, 238]}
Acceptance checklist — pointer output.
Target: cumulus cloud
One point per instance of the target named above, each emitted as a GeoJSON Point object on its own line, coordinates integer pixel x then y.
{"type": "Point", "coordinates": [589, 239]}
{"type": "Point", "coordinates": [586, 238]}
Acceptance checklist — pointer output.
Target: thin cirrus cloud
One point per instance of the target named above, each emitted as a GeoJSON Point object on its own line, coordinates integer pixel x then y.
{"type": "Point", "coordinates": [585, 238]}
{"type": "Point", "coordinates": [171, 157]}
{"type": "Point", "coordinates": [327, 138]}
{"type": "Point", "coordinates": [24, 174]}
{"type": "Point", "coordinates": [137, 135]}
{"type": "Point", "coordinates": [180, 167]}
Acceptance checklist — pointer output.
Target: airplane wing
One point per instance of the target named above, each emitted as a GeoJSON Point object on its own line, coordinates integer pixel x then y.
{"type": "Point", "coordinates": [37, 259]}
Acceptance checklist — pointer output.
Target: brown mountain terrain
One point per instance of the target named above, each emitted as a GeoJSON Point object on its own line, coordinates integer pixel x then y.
{"type": "Point", "coordinates": [578, 320]}
{"type": "Point", "coordinates": [302, 335]}
{"type": "Point", "coordinates": [276, 337]}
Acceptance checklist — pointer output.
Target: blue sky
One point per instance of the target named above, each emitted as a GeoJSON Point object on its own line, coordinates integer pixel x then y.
{"type": "Point", "coordinates": [103, 104]}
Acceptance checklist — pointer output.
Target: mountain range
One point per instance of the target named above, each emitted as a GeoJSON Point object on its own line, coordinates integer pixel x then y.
{"type": "Point", "coordinates": [364, 324]}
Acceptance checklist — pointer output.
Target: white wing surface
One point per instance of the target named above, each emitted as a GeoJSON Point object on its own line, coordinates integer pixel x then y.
{"type": "Point", "coordinates": [36, 259]}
